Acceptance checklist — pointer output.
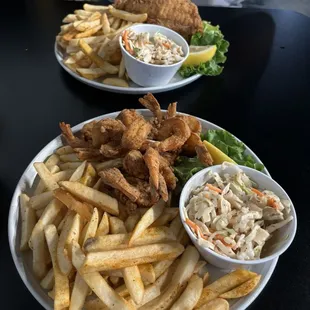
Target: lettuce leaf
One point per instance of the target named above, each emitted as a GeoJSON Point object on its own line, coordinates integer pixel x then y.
{"type": "Point", "coordinates": [185, 167]}
{"type": "Point", "coordinates": [211, 35]}
{"type": "Point", "coordinates": [233, 148]}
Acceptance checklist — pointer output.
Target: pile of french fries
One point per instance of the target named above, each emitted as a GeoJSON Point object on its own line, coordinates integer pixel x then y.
{"type": "Point", "coordinates": [89, 39]}
{"type": "Point", "coordinates": [88, 254]}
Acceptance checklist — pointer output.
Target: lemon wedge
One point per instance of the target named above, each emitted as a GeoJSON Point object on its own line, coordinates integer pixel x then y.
{"type": "Point", "coordinates": [199, 54]}
{"type": "Point", "coordinates": [218, 156]}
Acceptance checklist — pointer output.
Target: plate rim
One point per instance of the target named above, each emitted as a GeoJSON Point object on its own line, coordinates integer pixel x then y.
{"type": "Point", "coordinates": [15, 208]}
{"type": "Point", "coordinates": [123, 90]}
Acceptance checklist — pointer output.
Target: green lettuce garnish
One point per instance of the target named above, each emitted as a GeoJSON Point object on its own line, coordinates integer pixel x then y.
{"type": "Point", "coordinates": [185, 167]}
{"type": "Point", "coordinates": [211, 35]}
{"type": "Point", "coordinates": [229, 145]}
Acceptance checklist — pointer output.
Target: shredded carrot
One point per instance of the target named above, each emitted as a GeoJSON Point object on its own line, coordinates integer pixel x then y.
{"type": "Point", "coordinates": [214, 188]}
{"type": "Point", "coordinates": [192, 225]}
{"type": "Point", "coordinates": [207, 196]}
{"type": "Point", "coordinates": [127, 46]}
{"type": "Point", "coordinates": [272, 203]}
{"type": "Point", "coordinates": [221, 238]}
{"type": "Point", "coordinates": [257, 192]}
{"type": "Point", "coordinates": [167, 45]}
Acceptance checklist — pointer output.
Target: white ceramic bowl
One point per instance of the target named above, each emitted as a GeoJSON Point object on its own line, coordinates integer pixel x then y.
{"type": "Point", "coordinates": [281, 239]}
{"type": "Point", "coordinates": [149, 75]}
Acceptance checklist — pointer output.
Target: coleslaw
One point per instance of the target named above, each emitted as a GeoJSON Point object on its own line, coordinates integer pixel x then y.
{"type": "Point", "coordinates": [231, 216]}
{"type": "Point", "coordinates": [157, 50]}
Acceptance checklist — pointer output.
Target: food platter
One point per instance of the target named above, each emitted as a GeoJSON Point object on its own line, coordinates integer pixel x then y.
{"type": "Point", "coordinates": [23, 261]}
{"type": "Point", "coordinates": [176, 82]}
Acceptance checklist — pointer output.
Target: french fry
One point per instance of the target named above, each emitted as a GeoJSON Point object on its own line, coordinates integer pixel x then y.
{"type": "Point", "coordinates": [116, 24]}
{"type": "Point", "coordinates": [90, 40]}
{"type": "Point", "coordinates": [190, 296]}
{"type": "Point", "coordinates": [97, 283]}
{"type": "Point", "coordinates": [120, 241]}
{"type": "Point", "coordinates": [121, 70]}
{"type": "Point", "coordinates": [111, 19]}
{"type": "Point", "coordinates": [105, 24]}
{"type": "Point", "coordinates": [90, 228]}
{"type": "Point", "coordinates": [28, 217]}
{"type": "Point", "coordinates": [83, 13]}
{"type": "Point", "coordinates": [89, 32]}
{"type": "Point", "coordinates": [70, 35]}
{"type": "Point", "coordinates": [48, 281]}
{"type": "Point", "coordinates": [242, 290]}
{"type": "Point", "coordinates": [52, 161]}
{"type": "Point", "coordinates": [92, 196]}
{"type": "Point", "coordinates": [97, 185]}
{"type": "Point", "coordinates": [73, 204]}
{"type": "Point", "coordinates": [79, 293]}
{"type": "Point", "coordinates": [134, 283]}
{"type": "Point", "coordinates": [63, 175]}
{"type": "Point", "coordinates": [40, 201]}
{"type": "Point", "coordinates": [69, 18]}
{"type": "Point", "coordinates": [215, 304]}
{"type": "Point", "coordinates": [95, 8]}
{"type": "Point", "coordinates": [86, 24]}
{"type": "Point", "coordinates": [176, 225]}
{"type": "Point", "coordinates": [205, 278]}
{"type": "Point", "coordinates": [147, 219]}
{"type": "Point", "coordinates": [186, 265]}
{"type": "Point", "coordinates": [161, 267]}
{"type": "Point", "coordinates": [62, 293]}
{"type": "Point", "coordinates": [41, 186]}
{"type": "Point", "coordinates": [113, 163]}
{"type": "Point", "coordinates": [96, 15]}
{"type": "Point", "coordinates": [78, 173]}
{"type": "Point", "coordinates": [147, 273]}
{"type": "Point", "coordinates": [115, 82]}
{"type": "Point", "coordinates": [91, 73]}
{"type": "Point", "coordinates": [64, 150]}
{"type": "Point", "coordinates": [62, 222]}
{"type": "Point", "coordinates": [224, 284]}
{"type": "Point", "coordinates": [116, 259]}
{"type": "Point", "coordinates": [63, 259]}
{"type": "Point", "coordinates": [94, 304]}
{"type": "Point", "coordinates": [116, 225]}
{"type": "Point", "coordinates": [64, 29]}
{"type": "Point", "coordinates": [132, 221]}
{"type": "Point", "coordinates": [115, 281]}
{"type": "Point", "coordinates": [89, 175]}
{"type": "Point", "coordinates": [124, 23]}
{"type": "Point", "coordinates": [199, 266]}
{"type": "Point", "coordinates": [104, 226]}
{"type": "Point", "coordinates": [97, 59]}
{"type": "Point", "coordinates": [69, 165]}
{"type": "Point", "coordinates": [73, 234]}
{"type": "Point", "coordinates": [135, 18]}
{"type": "Point", "coordinates": [69, 158]}
{"type": "Point", "coordinates": [39, 213]}
{"type": "Point", "coordinates": [166, 299]}
{"type": "Point", "coordinates": [46, 176]}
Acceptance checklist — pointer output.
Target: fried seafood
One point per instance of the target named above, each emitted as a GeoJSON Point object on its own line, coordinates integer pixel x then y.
{"type": "Point", "coordinates": [136, 134]}
{"type": "Point", "coordinates": [134, 164]}
{"type": "Point", "coordinates": [151, 158]}
{"type": "Point", "coordinates": [128, 116]}
{"type": "Point", "coordinates": [151, 103]}
{"type": "Point", "coordinates": [114, 178]}
{"type": "Point", "coordinates": [173, 133]}
{"type": "Point", "coordinates": [136, 155]}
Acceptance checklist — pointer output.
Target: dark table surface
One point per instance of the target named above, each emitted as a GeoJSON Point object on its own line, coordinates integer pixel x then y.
{"type": "Point", "coordinates": [262, 97]}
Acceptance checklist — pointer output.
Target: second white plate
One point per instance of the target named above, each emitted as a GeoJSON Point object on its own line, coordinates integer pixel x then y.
{"type": "Point", "coordinates": [176, 82]}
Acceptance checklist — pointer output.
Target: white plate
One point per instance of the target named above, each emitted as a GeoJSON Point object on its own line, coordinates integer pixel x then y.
{"type": "Point", "coordinates": [176, 82]}
{"type": "Point", "coordinates": [23, 261]}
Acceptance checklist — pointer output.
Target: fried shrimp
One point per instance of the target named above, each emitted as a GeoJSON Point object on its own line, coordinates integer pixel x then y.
{"type": "Point", "coordinates": [134, 164]}
{"type": "Point", "coordinates": [151, 158]}
{"type": "Point", "coordinates": [87, 130]}
{"type": "Point", "coordinates": [114, 178]}
{"type": "Point", "coordinates": [190, 145]}
{"type": "Point", "coordinates": [136, 134]}
{"type": "Point", "coordinates": [89, 154]}
{"type": "Point", "coordinates": [169, 177]}
{"type": "Point", "coordinates": [173, 134]}
{"type": "Point", "coordinates": [112, 149]}
{"type": "Point", "coordinates": [192, 122]}
{"type": "Point", "coordinates": [203, 154]}
{"type": "Point", "coordinates": [113, 128]}
{"type": "Point", "coordinates": [151, 103]}
{"type": "Point", "coordinates": [128, 116]}
{"type": "Point", "coordinates": [71, 139]}
{"type": "Point", "coordinates": [172, 110]}
{"type": "Point", "coordinates": [163, 190]}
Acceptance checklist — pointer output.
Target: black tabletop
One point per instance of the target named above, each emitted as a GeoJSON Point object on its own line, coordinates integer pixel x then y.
{"type": "Point", "coordinates": [262, 97]}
